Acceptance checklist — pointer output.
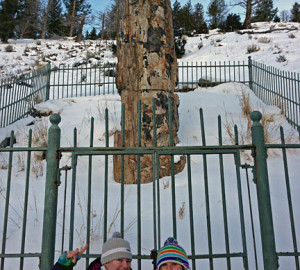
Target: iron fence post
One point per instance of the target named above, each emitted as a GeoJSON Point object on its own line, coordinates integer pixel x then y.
{"type": "Point", "coordinates": [250, 72]}
{"type": "Point", "coordinates": [50, 204]}
{"type": "Point", "coordinates": [263, 193]}
{"type": "Point", "coordinates": [48, 82]}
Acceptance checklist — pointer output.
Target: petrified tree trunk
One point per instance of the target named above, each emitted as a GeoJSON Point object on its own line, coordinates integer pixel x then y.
{"type": "Point", "coordinates": [147, 68]}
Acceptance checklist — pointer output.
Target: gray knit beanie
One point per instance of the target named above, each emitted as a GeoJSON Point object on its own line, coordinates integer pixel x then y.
{"type": "Point", "coordinates": [115, 248]}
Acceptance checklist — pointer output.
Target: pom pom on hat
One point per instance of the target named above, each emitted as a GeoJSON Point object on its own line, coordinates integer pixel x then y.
{"type": "Point", "coordinates": [115, 248]}
{"type": "Point", "coordinates": [172, 252]}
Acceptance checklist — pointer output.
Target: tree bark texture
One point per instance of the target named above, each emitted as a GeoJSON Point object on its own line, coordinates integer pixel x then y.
{"type": "Point", "coordinates": [147, 69]}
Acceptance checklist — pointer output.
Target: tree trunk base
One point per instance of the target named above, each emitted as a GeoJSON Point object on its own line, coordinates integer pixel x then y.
{"type": "Point", "coordinates": [130, 164]}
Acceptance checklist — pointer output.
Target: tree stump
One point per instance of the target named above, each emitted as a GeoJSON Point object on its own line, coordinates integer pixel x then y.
{"type": "Point", "coordinates": [146, 69]}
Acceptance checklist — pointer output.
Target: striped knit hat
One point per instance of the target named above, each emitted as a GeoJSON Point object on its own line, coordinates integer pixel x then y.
{"type": "Point", "coordinates": [115, 248]}
{"type": "Point", "coordinates": [172, 252]}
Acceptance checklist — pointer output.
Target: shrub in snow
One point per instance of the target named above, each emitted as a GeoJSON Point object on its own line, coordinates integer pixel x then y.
{"type": "Point", "coordinates": [291, 35]}
{"type": "Point", "coordinates": [281, 58]}
{"type": "Point", "coordinates": [264, 40]}
{"type": "Point", "coordinates": [253, 48]}
{"type": "Point", "coordinates": [179, 47]}
{"type": "Point", "coordinates": [114, 49]}
{"type": "Point", "coordinates": [9, 48]}
{"type": "Point", "coordinates": [38, 42]}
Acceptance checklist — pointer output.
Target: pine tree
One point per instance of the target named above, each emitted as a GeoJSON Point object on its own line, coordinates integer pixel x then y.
{"type": "Point", "coordinates": [8, 14]}
{"type": "Point", "coordinates": [93, 34]}
{"type": "Point", "coordinates": [175, 14]}
{"type": "Point", "coordinates": [185, 17]}
{"type": "Point", "coordinates": [232, 23]}
{"type": "Point", "coordinates": [264, 11]}
{"type": "Point", "coordinates": [217, 11]}
{"type": "Point", "coordinates": [198, 19]}
{"type": "Point", "coordinates": [55, 25]}
{"type": "Point", "coordinates": [77, 10]}
{"type": "Point", "coordinates": [295, 13]}
{"type": "Point", "coordinates": [28, 20]}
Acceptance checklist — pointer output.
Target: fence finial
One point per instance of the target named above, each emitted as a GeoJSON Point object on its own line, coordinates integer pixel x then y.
{"type": "Point", "coordinates": [55, 119]}
{"type": "Point", "coordinates": [256, 116]}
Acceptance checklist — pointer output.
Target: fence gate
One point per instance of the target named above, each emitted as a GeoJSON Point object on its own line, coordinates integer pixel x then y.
{"type": "Point", "coordinates": [203, 207]}
{"type": "Point", "coordinates": [219, 215]}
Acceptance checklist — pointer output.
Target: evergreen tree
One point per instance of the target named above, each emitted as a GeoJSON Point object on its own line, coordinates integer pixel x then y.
{"type": "Point", "coordinates": [77, 10]}
{"type": "Point", "coordinates": [93, 34]}
{"type": "Point", "coordinates": [295, 13]}
{"type": "Point", "coordinates": [28, 20]}
{"type": "Point", "coordinates": [87, 35]}
{"type": "Point", "coordinates": [176, 14]}
{"type": "Point", "coordinates": [217, 11]}
{"type": "Point", "coordinates": [264, 11]}
{"type": "Point", "coordinates": [186, 18]}
{"type": "Point", "coordinates": [232, 23]}
{"type": "Point", "coordinates": [198, 19]}
{"type": "Point", "coordinates": [55, 20]}
{"type": "Point", "coordinates": [9, 10]}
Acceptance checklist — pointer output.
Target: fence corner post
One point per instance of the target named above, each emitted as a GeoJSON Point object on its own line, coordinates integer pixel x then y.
{"type": "Point", "coordinates": [50, 203]}
{"type": "Point", "coordinates": [48, 82]}
{"type": "Point", "coordinates": [250, 72]}
{"type": "Point", "coordinates": [263, 193]}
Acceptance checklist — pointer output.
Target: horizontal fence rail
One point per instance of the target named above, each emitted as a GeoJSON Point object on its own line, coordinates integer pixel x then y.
{"type": "Point", "coordinates": [19, 95]}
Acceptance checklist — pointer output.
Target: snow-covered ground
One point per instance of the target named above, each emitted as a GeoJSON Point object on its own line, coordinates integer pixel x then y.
{"type": "Point", "coordinates": [223, 100]}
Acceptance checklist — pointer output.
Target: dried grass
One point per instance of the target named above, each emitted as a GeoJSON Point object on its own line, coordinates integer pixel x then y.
{"type": "Point", "coordinates": [181, 212]}
{"type": "Point", "coordinates": [270, 123]}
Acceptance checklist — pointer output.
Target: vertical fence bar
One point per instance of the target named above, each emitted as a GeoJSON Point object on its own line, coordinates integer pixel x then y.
{"type": "Point", "coordinates": [191, 212]}
{"type": "Point", "coordinates": [221, 164]}
{"type": "Point", "coordinates": [26, 200]}
{"type": "Point", "coordinates": [106, 177]}
{"type": "Point", "coordinates": [139, 226]}
{"type": "Point", "coordinates": [122, 169]}
{"type": "Point", "coordinates": [7, 196]}
{"type": "Point", "coordinates": [154, 172]}
{"type": "Point", "coordinates": [50, 205]}
{"type": "Point", "coordinates": [73, 186]}
{"type": "Point", "coordinates": [172, 171]}
{"type": "Point", "coordinates": [250, 73]}
{"type": "Point", "coordinates": [89, 198]}
{"type": "Point", "coordinates": [289, 197]}
{"type": "Point", "coordinates": [48, 74]}
{"type": "Point", "coordinates": [207, 204]}
{"type": "Point", "coordinates": [237, 160]}
{"type": "Point", "coordinates": [263, 193]}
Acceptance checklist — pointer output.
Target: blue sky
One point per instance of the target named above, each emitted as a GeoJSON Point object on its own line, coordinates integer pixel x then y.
{"type": "Point", "coordinates": [100, 5]}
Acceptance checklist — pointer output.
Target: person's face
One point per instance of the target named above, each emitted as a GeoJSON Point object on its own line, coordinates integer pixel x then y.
{"type": "Point", "coordinates": [120, 264]}
{"type": "Point", "coordinates": [171, 266]}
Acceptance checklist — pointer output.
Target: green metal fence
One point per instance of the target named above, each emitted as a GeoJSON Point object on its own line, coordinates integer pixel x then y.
{"type": "Point", "coordinates": [277, 87]}
{"type": "Point", "coordinates": [84, 80]}
{"type": "Point", "coordinates": [209, 74]}
{"type": "Point", "coordinates": [19, 95]}
{"type": "Point", "coordinates": [213, 192]}
{"type": "Point", "coordinates": [272, 86]}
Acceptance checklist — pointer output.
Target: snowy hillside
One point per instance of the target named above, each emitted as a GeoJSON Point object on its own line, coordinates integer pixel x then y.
{"type": "Point", "coordinates": [278, 48]}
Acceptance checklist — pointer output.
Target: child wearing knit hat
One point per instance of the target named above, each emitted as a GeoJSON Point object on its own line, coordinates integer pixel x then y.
{"type": "Point", "coordinates": [172, 256]}
{"type": "Point", "coordinates": [116, 255]}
